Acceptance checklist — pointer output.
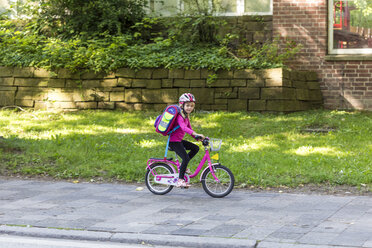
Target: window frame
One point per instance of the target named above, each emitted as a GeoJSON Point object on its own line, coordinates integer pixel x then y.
{"type": "Point", "coordinates": [336, 51]}
{"type": "Point", "coordinates": [240, 9]}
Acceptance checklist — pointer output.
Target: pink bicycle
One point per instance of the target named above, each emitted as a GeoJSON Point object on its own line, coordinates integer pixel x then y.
{"type": "Point", "coordinates": [217, 180]}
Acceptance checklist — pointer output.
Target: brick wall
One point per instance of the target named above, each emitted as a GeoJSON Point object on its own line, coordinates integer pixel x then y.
{"type": "Point", "coordinates": [344, 84]}
{"type": "Point", "coordinates": [152, 89]}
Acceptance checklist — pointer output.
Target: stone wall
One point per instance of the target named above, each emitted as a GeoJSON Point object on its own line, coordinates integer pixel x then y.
{"type": "Point", "coordinates": [152, 89]}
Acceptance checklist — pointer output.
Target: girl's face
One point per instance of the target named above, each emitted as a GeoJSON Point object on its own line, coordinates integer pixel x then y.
{"type": "Point", "coordinates": [189, 107]}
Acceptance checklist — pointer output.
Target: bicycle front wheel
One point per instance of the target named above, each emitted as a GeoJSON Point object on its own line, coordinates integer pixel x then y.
{"type": "Point", "coordinates": [152, 185]}
{"type": "Point", "coordinates": [223, 186]}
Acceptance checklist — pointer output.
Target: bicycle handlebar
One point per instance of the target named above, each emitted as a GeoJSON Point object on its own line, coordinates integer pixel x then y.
{"type": "Point", "coordinates": [205, 142]}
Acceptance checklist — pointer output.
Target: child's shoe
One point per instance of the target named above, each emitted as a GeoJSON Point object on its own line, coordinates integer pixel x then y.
{"type": "Point", "coordinates": [181, 183]}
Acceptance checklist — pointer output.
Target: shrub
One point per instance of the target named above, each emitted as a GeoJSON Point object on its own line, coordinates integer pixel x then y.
{"type": "Point", "coordinates": [73, 17]}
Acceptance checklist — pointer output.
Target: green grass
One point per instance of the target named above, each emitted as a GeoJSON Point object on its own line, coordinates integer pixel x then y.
{"type": "Point", "coordinates": [264, 150]}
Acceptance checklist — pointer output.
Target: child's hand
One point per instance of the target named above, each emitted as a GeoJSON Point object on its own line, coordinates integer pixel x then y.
{"type": "Point", "coordinates": [200, 137]}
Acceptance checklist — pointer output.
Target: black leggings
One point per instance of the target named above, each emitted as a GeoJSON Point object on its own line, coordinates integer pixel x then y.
{"type": "Point", "coordinates": [180, 148]}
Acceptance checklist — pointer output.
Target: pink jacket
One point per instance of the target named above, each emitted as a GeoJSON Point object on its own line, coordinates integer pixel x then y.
{"type": "Point", "coordinates": [185, 127]}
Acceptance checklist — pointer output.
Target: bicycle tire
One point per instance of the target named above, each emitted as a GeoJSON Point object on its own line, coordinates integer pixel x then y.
{"type": "Point", "coordinates": [223, 187]}
{"type": "Point", "coordinates": [157, 188]}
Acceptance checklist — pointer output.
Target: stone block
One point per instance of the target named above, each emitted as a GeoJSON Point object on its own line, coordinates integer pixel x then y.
{"type": "Point", "coordinates": [224, 74]}
{"type": "Point", "coordinates": [220, 83]}
{"type": "Point", "coordinates": [8, 81]}
{"type": "Point", "coordinates": [220, 101]}
{"type": "Point", "coordinates": [6, 71]}
{"type": "Point", "coordinates": [43, 73]}
{"type": "Point", "coordinates": [124, 106]}
{"type": "Point", "coordinates": [8, 88]}
{"type": "Point", "coordinates": [26, 72]}
{"type": "Point", "coordinates": [237, 105]}
{"type": "Point", "coordinates": [117, 96]}
{"type": "Point", "coordinates": [298, 75]}
{"type": "Point", "coordinates": [160, 73]}
{"type": "Point", "coordinates": [256, 105]}
{"type": "Point", "coordinates": [98, 96]}
{"type": "Point", "coordinates": [282, 105]}
{"type": "Point", "coordinates": [219, 107]}
{"type": "Point", "coordinates": [225, 93]}
{"type": "Point", "coordinates": [159, 107]}
{"type": "Point", "coordinates": [205, 107]}
{"type": "Point", "coordinates": [90, 83]}
{"type": "Point", "coordinates": [278, 93]}
{"type": "Point", "coordinates": [197, 83]}
{"type": "Point", "coordinates": [160, 96]}
{"type": "Point", "coordinates": [204, 95]}
{"type": "Point", "coordinates": [300, 85]}
{"type": "Point", "coordinates": [238, 83]}
{"type": "Point", "coordinates": [181, 83]}
{"type": "Point", "coordinates": [302, 94]}
{"type": "Point", "coordinates": [60, 96]}
{"type": "Point", "coordinates": [205, 73]}
{"type": "Point", "coordinates": [249, 93]}
{"type": "Point", "coordinates": [106, 105]}
{"type": "Point", "coordinates": [315, 95]}
{"type": "Point", "coordinates": [245, 74]}
{"type": "Point", "coordinates": [92, 75]}
{"type": "Point", "coordinates": [70, 83]}
{"type": "Point", "coordinates": [274, 73]}
{"type": "Point", "coordinates": [62, 105]}
{"type": "Point", "coordinates": [24, 103]}
{"type": "Point", "coordinates": [139, 83]}
{"type": "Point", "coordinates": [64, 73]}
{"type": "Point", "coordinates": [286, 73]}
{"type": "Point", "coordinates": [311, 76]}
{"type": "Point", "coordinates": [258, 82]}
{"type": "Point", "coordinates": [277, 82]}
{"type": "Point", "coordinates": [167, 83]}
{"type": "Point", "coordinates": [176, 73]}
{"type": "Point", "coordinates": [56, 82]}
{"type": "Point", "coordinates": [144, 73]}
{"type": "Point", "coordinates": [153, 84]}
{"type": "Point", "coordinates": [117, 89]}
{"type": "Point", "coordinates": [31, 94]}
{"type": "Point", "coordinates": [109, 75]}
{"type": "Point", "coordinates": [133, 95]}
{"type": "Point", "coordinates": [7, 98]}
{"type": "Point", "coordinates": [126, 82]}
{"type": "Point", "coordinates": [313, 85]}
{"type": "Point", "coordinates": [260, 36]}
{"type": "Point", "coordinates": [86, 105]}
{"type": "Point", "coordinates": [192, 74]}
{"type": "Point", "coordinates": [109, 82]}
{"type": "Point", "coordinates": [40, 105]}
{"type": "Point", "coordinates": [31, 82]}
{"type": "Point", "coordinates": [125, 72]}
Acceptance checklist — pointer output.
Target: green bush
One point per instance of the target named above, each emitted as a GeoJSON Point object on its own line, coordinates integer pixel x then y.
{"type": "Point", "coordinates": [74, 17]}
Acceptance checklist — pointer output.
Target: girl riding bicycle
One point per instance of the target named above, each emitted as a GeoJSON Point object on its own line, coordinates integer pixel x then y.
{"type": "Point", "coordinates": [176, 142]}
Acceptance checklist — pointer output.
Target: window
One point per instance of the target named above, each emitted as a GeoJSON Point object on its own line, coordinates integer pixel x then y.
{"type": "Point", "coordinates": [228, 7]}
{"type": "Point", "coordinates": [350, 27]}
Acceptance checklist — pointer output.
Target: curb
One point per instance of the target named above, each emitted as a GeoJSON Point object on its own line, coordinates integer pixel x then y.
{"type": "Point", "coordinates": [128, 238]}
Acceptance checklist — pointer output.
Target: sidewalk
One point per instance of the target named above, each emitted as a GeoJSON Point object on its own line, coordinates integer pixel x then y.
{"type": "Point", "coordinates": [188, 218]}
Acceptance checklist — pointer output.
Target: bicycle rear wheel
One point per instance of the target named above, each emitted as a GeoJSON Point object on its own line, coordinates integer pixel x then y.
{"type": "Point", "coordinates": [152, 185]}
{"type": "Point", "coordinates": [220, 188]}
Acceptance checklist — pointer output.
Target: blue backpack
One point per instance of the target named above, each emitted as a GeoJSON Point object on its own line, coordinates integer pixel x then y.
{"type": "Point", "coordinates": [164, 123]}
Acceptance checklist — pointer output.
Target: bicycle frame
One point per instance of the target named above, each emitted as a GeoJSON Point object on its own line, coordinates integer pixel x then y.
{"type": "Point", "coordinates": [176, 164]}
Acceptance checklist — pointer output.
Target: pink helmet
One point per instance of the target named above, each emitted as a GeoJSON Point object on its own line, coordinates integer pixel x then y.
{"type": "Point", "coordinates": [186, 97]}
